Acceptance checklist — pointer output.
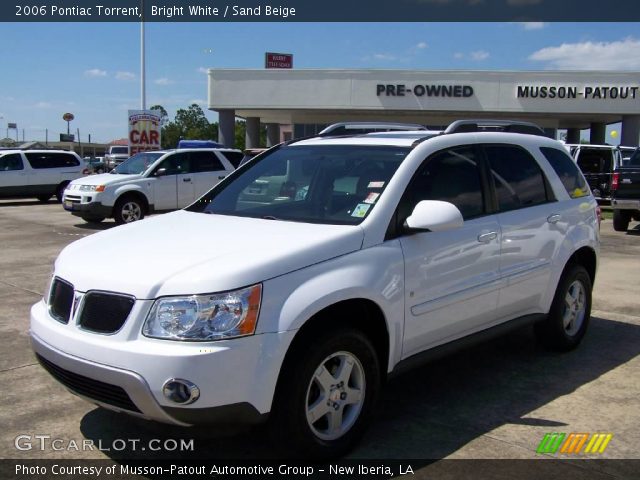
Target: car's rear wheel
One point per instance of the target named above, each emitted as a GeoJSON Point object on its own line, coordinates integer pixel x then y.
{"type": "Point", "coordinates": [621, 220]}
{"type": "Point", "coordinates": [568, 318]}
{"type": "Point", "coordinates": [326, 395]}
{"type": "Point", "coordinates": [43, 198]}
{"type": "Point", "coordinates": [128, 209]}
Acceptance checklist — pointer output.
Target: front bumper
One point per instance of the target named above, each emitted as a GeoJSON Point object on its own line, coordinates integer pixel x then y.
{"type": "Point", "coordinates": [84, 206]}
{"type": "Point", "coordinates": [236, 378]}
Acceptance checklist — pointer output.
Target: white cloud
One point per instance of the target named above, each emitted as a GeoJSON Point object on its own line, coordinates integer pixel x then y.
{"type": "Point", "coordinates": [43, 105]}
{"type": "Point", "coordinates": [479, 55]}
{"type": "Point", "coordinates": [422, 45]}
{"type": "Point", "coordinates": [618, 55]}
{"type": "Point", "coordinates": [203, 70]}
{"type": "Point", "coordinates": [95, 72]}
{"type": "Point", "coordinates": [458, 55]}
{"type": "Point", "coordinates": [125, 76]}
{"type": "Point", "coordinates": [532, 25]}
{"type": "Point", "coordinates": [163, 81]}
{"type": "Point", "coordinates": [198, 101]}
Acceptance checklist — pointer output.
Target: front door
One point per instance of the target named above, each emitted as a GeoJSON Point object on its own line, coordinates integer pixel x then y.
{"type": "Point", "coordinates": [451, 278]}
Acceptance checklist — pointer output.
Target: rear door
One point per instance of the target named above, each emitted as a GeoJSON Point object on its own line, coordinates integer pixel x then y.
{"type": "Point", "coordinates": [533, 225]}
{"type": "Point", "coordinates": [14, 176]}
{"type": "Point", "coordinates": [208, 170]}
{"type": "Point", "coordinates": [452, 278]}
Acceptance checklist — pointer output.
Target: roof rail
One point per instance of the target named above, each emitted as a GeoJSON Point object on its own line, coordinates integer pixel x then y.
{"type": "Point", "coordinates": [510, 126]}
{"type": "Point", "coordinates": [355, 128]}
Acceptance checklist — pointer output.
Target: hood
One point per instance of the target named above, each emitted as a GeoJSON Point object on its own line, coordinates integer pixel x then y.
{"type": "Point", "coordinates": [190, 253]}
{"type": "Point", "coordinates": [104, 179]}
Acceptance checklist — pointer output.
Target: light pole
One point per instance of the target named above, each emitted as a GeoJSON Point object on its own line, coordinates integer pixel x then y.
{"type": "Point", "coordinates": [143, 94]}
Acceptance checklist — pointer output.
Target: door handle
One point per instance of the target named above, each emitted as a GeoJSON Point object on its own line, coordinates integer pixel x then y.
{"type": "Point", "coordinates": [186, 179]}
{"type": "Point", "coordinates": [487, 237]}
{"type": "Point", "coordinates": [554, 218]}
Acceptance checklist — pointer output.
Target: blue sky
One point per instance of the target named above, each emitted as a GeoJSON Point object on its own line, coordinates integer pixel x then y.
{"type": "Point", "coordinates": [93, 69]}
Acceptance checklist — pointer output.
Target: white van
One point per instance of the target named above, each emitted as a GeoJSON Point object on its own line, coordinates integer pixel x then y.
{"type": "Point", "coordinates": [38, 173]}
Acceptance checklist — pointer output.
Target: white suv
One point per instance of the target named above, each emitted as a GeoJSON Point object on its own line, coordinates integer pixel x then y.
{"type": "Point", "coordinates": [149, 182]}
{"type": "Point", "coordinates": [297, 285]}
{"type": "Point", "coordinates": [38, 173]}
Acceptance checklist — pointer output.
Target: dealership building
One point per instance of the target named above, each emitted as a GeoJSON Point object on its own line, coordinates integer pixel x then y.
{"type": "Point", "coordinates": [295, 103]}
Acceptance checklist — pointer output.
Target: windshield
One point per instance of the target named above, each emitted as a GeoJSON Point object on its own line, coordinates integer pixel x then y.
{"type": "Point", "coordinates": [333, 184]}
{"type": "Point", "coordinates": [120, 150]}
{"type": "Point", "coordinates": [137, 164]}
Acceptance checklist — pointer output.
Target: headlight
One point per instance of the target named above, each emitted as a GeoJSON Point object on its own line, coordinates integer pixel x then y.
{"type": "Point", "coordinates": [92, 188]}
{"type": "Point", "coordinates": [205, 317]}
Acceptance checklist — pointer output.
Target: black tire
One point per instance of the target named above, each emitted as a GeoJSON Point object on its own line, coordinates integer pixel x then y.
{"type": "Point", "coordinates": [60, 191]}
{"type": "Point", "coordinates": [43, 198]}
{"type": "Point", "coordinates": [99, 170]}
{"type": "Point", "coordinates": [558, 332]}
{"type": "Point", "coordinates": [621, 220]}
{"type": "Point", "coordinates": [128, 209]}
{"type": "Point", "coordinates": [94, 220]}
{"type": "Point", "coordinates": [298, 386]}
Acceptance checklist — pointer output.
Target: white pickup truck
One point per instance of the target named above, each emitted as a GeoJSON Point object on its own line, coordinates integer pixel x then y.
{"type": "Point", "coordinates": [148, 182]}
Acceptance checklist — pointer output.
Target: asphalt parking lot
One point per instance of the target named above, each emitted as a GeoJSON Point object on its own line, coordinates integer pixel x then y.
{"type": "Point", "coordinates": [494, 401]}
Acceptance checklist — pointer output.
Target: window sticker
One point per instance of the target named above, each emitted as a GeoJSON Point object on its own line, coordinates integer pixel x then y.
{"type": "Point", "coordinates": [372, 198]}
{"type": "Point", "coordinates": [375, 185]}
{"type": "Point", "coordinates": [361, 210]}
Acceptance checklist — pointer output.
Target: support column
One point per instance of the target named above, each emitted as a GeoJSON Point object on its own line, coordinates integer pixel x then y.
{"type": "Point", "coordinates": [573, 135]}
{"type": "Point", "coordinates": [598, 133]}
{"type": "Point", "coordinates": [273, 134]}
{"type": "Point", "coordinates": [227, 128]}
{"type": "Point", "coordinates": [252, 136]}
{"type": "Point", "coordinates": [630, 135]}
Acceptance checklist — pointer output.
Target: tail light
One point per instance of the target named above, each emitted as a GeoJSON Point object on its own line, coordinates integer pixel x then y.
{"type": "Point", "coordinates": [85, 171]}
{"type": "Point", "coordinates": [599, 215]}
{"type": "Point", "coordinates": [614, 181]}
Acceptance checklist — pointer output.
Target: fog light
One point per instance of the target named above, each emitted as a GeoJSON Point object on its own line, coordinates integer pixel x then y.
{"type": "Point", "coordinates": [181, 391]}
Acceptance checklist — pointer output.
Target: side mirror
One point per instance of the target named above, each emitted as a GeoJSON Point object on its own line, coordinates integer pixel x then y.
{"type": "Point", "coordinates": [161, 172]}
{"type": "Point", "coordinates": [434, 216]}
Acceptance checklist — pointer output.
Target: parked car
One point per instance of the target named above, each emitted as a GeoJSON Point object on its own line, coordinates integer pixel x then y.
{"type": "Point", "coordinates": [38, 173]}
{"type": "Point", "coordinates": [148, 182]}
{"type": "Point", "coordinates": [626, 153]}
{"type": "Point", "coordinates": [625, 200]}
{"type": "Point", "coordinates": [297, 285]}
{"type": "Point", "coordinates": [95, 164]}
{"type": "Point", "coordinates": [597, 163]}
{"type": "Point", "coordinates": [116, 155]}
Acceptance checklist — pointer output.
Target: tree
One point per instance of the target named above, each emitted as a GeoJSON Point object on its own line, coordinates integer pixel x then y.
{"type": "Point", "coordinates": [189, 124]}
{"type": "Point", "coordinates": [164, 116]}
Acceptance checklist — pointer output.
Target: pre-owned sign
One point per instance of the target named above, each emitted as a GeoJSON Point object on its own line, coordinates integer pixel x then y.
{"type": "Point", "coordinates": [144, 131]}
{"type": "Point", "coordinates": [278, 60]}
{"type": "Point", "coordinates": [402, 90]}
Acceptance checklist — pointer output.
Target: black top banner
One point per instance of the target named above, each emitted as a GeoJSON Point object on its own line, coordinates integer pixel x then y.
{"type": "Point", "coordinates": [319, 11]}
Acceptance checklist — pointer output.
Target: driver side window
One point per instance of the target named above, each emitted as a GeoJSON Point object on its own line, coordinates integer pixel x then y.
{"type": "Point", "coordinates": [452, 175]}
{"type": "Point", "coordinates": [175, 164]}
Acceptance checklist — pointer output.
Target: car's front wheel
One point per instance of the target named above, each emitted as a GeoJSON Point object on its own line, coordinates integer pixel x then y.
{"type": "Point", "coordinates": [326, 395]}
{"type": "Point", "coordinates": [570, 311]}
{"type": "Point", "coordinates": [128, 209]}
{"type": "Point", "coordinates": [93, 220]}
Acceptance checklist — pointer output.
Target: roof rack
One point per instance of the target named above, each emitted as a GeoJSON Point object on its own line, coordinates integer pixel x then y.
{"type": "Point", "coordinates": [354, 128]}
{"type": "Point", "coordinates": [510, 126]}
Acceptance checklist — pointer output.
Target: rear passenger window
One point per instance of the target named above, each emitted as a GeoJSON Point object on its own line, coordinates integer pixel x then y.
{"type": "Point", "coordinates": [234, 158]}
{"type": "Point", "coordinates": [39, 160]}
{"type": "Point", "coordinates": [517, 177]}
{"type": "Point", "coordinates": [205, 162]}
{"type": "Point", "coordinates": [11, 161]}
{"type": "Point", "coordinates": [567, 171]}
{"type": "Point", "coordinates": [452, 176]}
